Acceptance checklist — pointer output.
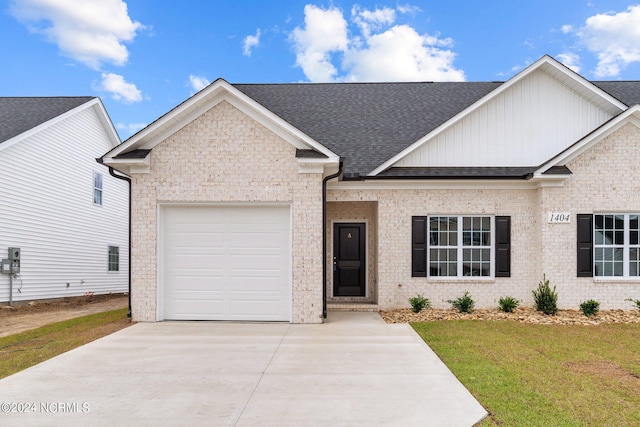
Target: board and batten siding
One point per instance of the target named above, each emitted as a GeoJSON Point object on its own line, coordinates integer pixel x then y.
{"type": "Point", "coordinates": [47, 210]}
{"type": "Point", "coordinates": [525, 125]}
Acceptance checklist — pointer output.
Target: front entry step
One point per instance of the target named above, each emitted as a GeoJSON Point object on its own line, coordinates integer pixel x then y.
{"type": "Point", "coordinates": [351, 306]}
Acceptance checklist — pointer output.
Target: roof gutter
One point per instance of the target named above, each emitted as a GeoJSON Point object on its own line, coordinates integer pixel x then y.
{"type": "Point", "coordinates": [324, 236]}
{"type": "Point", "coordinates": [124, 178]}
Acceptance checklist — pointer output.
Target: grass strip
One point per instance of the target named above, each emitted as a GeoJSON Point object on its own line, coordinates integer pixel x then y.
{"type": "Point", "coordinates": [541, 375]}
{"type": "Point", "coordinates": [23, 350]}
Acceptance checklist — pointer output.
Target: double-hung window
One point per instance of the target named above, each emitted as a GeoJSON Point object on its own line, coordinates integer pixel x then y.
{"type": "Point", "coordinates": [97, 189]}
{"type": "Point", "coordinates": [616, 247]}
{"type": "Point", "coordinates": [113, 263]}
{"type": "Point", "coordinates": [460, 246]}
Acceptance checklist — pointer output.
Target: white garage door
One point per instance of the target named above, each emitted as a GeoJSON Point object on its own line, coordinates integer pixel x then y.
{"type": "Point", "coordinates": [226, 263]}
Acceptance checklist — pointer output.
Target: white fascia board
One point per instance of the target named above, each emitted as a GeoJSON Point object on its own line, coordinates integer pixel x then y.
{"type": "Point", "coordinates": [51, 122]}
{"type": "Point", "coordinates": [206, 99]}
{"type": "Point", "coordinates": [148, 135]}
{"type": "Point", "coordinates": [105, 119]}
{"type": "Point", "coordinates": [450, 184]}
{"type": "Point", "coordinates": [315, 165]}
{"type": "Point", "coordinates": [632, 115]}
{"type": "Point", "coordinates": [129, 166]}
{"type": "Point", "coordinates": [273, 122]}
{"type": "Point", "coordinates": [546, 63]}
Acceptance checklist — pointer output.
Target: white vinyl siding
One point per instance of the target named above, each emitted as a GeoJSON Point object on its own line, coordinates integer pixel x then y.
{"type": "Point", "coordinates": [63, 237]}
{"type": "Point", "coordinates": [524, 126]}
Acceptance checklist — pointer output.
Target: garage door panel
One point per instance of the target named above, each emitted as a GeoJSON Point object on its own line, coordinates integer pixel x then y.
{"type": "Point", "coordinates": [256, 240]}
{"type": "Point", "coordinates": [240, 253]}
{"type": "Point", "coordinates": [199, 283]}
{"type": "Point", "coordinates": [200, 261]}
{"type": "Point", "coordinates": [245, 309]}
{"type": "Point", "coordinates": [186, 309]}
{"type": "Point", "coordinates": [250, 262]}
{"type": "Point", "coordinates": [250, 284]}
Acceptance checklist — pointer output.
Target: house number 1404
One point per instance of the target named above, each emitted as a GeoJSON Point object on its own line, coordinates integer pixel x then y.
{"type": "Point", "coordinates": [562, 217]}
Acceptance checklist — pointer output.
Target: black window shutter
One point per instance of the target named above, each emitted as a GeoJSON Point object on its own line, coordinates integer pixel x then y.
{"type": "Point", "coordinates": [503, 246]}
{"type": "Point", "coordinates": [585, 245]}
{"type": "Point", "coordinates": [419, 246]}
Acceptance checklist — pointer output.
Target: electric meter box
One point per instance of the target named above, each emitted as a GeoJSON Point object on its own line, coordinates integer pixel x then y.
{"type": "Point", "coordinates": [14, 254]}
{"type": "Point", "coordinates": [10, 266]}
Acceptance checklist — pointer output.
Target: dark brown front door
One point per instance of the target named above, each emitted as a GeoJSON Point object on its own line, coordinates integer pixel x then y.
{"type": "Point", "coordinates": [349, 260]}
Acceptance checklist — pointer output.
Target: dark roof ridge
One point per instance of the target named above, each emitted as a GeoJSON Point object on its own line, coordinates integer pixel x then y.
{"type": "Point", "coordinates": [359, 83]}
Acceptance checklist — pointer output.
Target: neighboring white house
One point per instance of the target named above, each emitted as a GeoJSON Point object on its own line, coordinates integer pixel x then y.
{"type": "Point", "coordinates": [63, 210]}
{"type": "Point", "coordinates": [430, 188]}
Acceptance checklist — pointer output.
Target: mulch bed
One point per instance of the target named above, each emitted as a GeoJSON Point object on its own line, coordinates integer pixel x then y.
{"type": "Point", "coordinates": [523, 315]}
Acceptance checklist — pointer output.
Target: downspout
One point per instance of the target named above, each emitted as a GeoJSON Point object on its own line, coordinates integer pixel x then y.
{"type": "Point", "coordinates": [324, 237]}
{"type": "Point", "coordinates": [124, 178]}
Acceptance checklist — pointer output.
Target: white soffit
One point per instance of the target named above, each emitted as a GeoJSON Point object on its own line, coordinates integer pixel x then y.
{"type": "Point", "coordinates": [549, 65]}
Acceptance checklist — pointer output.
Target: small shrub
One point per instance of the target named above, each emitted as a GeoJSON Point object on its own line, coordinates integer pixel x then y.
{"type": "Point", "coordinates": [545, 298]}
{"type": "Point", "coordinates": [508, 304]}
{"type": "Point", "coordinates": [463, 304]}
{"type": "Point", "coordinates": [590, 307]}
{"type": "Point", "coordinates": [636, 302]}
{"type": "Point", "coordinates": [419, 302]}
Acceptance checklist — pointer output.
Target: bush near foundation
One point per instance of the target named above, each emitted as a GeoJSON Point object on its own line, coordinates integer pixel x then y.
{"type": "Point", "coordinates": [508, 304]}
{"type": "Point", "coordinates": [545, 298]}
{"type": "Point", "coordinates": [463, 304]}
{"type": "Point", "coordinates": [590, 307]}
{"type": "Point", "coordinates": [419, 302]}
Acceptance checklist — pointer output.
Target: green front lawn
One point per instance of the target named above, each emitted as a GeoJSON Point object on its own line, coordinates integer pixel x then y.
{"type": "Point", "coordinates": [20, 351]}
{"type": "Point", "coordinates": [544, 375]}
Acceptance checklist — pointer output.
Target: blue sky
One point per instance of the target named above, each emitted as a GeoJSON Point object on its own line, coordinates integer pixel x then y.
{"type": "Point", "coordinates": [144, 57]}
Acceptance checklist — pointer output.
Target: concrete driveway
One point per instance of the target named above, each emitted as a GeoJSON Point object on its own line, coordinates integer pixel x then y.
{"type": "Point", "coordinates": [353, 370]}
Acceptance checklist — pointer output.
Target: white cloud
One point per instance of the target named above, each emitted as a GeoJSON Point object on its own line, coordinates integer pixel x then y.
{"type": "Point", "coordinates": [325, 32]}
{"type": "Point", "coordinates": [120, 89]}
{"type": "Point", "coordinates": [401, 54]}
{"type": "Point", "coordinates": [381, 51]}
{"type": "Point", "coordinates": [369, 20]}
{"type": "Point", "coordinates": [614, 38]}
{"type": "Point", "coordinates": [407, 8]}
{"type": "Point", "coordinates": [566, 29]}
{"type": "Point", "coordinates": [130, 128]}
{"type": "Point", "coordinates": [91, 32]}
{"type": "Point", "coordinates": [570, 60]}
{"type": "Point", "coordinates": [198, 82]}
{"type": "Point", "coordinates": [250, 42]}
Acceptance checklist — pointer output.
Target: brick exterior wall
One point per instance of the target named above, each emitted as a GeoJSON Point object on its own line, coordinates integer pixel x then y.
{"type": "Point", "coordinates": [395, 209]}
{"type": "Point", "coordinates": [605, 180]}
{"type": "Point", "coordinates": [224, 156]}
{"type": "Point", "coordinates": [600, 183]}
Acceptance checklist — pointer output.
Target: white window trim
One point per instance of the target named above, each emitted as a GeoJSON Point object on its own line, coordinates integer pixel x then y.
{"type": "Point", "coordinates": [626, 246]}
{"type": "Point", "coordinates": [100, 189]}
{"type": "Point", "coordinates": [109, 271]}
{"type": "Point", "coordinates": [460, 247]}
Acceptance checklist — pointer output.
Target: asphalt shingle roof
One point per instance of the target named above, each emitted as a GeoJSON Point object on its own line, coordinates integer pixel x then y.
{"type": "Point", "coordinates": [367, 123]}
{"type": "Point", "coordinates": [19, 114]}
{"type": "Point", "coordinates": [627, 92]}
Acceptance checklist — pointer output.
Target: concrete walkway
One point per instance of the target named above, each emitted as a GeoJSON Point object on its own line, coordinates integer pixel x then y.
{"type": "Point", "coordinates": [354, 370]}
